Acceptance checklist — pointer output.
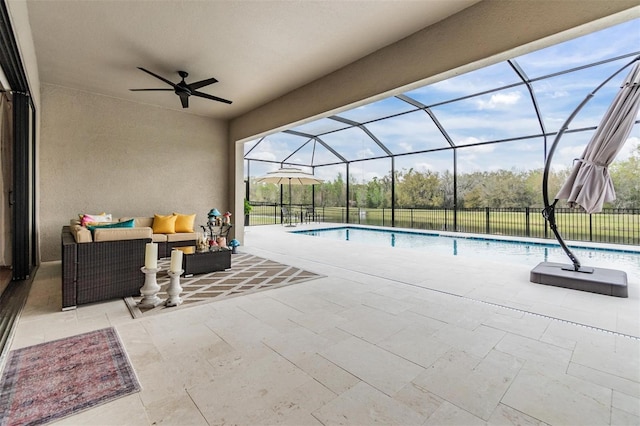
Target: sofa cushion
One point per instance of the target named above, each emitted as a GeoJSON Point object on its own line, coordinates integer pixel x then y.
{"type": "Point", "coordinates": [182, 236]}
{"type": "Point", "coordinates": [185, 222]}
{"type": "Point", "coordinates": [159, 238]}
{"type": "Point", "coordinates": [115, 234]}
{"type": "Point", "coordinates": [81, 234]}
{"type": "Point", "coordinates": [164, 224]}
{"type": "Point", "coordinates": [140, 221]}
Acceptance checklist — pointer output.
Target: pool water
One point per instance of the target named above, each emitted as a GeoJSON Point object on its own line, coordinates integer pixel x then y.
{"type": "Point", "coordinates": [522, 252]}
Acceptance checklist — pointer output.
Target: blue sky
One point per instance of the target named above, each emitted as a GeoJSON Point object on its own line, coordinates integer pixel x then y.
{"type": "Point", "coordinates": [502, 114]}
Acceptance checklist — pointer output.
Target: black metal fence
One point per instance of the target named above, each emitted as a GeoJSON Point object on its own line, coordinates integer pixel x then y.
{"type": "Point", "coordinates": [615, 226]}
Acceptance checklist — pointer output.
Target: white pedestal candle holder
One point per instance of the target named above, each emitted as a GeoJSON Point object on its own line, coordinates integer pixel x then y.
{"type": "Point", "coordinates": [150, 289]}
{"type": "Point", "coordinates": [174, 289]}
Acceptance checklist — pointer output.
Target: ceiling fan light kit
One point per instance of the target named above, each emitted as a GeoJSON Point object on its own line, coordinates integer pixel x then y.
{"type": "Point", "coordinates": [183, 89]}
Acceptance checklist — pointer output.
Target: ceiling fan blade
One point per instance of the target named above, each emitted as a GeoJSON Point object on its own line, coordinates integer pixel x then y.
{"type": "Point", "coordinates": [184, 98]}
{"type": "Point", "coordinates": [202, 83]}
{"type": "Point", "coordinates": [213, 98]}
{"type": "Point", "coordinates": [143, 90]}
{"type": "Point", "coordinates": [158, 77]}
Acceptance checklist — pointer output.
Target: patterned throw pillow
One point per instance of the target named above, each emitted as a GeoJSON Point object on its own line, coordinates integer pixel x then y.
{"type": "Point", "coordinates": [89, 219]}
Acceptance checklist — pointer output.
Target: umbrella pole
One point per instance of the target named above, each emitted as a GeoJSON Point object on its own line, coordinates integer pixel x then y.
{"type": "Point", "coordinates": [290, 223]}
{"type": "Point", "coordinates": [549, 209]}
{"type": "Point", "coordinates": [549, 214]}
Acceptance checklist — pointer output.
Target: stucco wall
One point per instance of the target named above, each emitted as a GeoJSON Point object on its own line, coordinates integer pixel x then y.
{"type": "Point", "coordinates": [104, 154]}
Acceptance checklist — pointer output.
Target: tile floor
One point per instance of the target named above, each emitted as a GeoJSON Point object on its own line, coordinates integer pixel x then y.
{"type": "Point", "coordinates": [389, 336]}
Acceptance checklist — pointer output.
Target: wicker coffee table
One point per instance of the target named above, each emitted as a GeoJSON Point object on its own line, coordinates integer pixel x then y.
{"type": "Point", "coordinates": [196, 262]}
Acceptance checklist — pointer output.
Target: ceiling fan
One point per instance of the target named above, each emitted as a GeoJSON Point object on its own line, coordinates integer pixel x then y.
{"type": "Point", "coordinates": [184, 89]}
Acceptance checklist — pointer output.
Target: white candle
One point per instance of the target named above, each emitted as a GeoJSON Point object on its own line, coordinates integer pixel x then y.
{"type": "Point", "coordinates": [176, 260]}
{"type": "Point", "coordinates": [151, 256]}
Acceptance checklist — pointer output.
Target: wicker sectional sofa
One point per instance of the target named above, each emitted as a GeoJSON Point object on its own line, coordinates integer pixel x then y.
{"type": "Point", "coordinates": [165, 242]}
{"type": "Point", "coordinates": [105, 264]}
{"type": "Point", "coordinates": [102, 269]}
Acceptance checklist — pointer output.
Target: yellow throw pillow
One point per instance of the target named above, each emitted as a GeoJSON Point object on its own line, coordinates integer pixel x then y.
{"type": "Point", "coordinates": [185, 222]}
{"type": "Point", "coordinates": [164, 224]}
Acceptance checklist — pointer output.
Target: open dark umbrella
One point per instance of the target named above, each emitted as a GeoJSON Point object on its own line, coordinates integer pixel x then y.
{"type": "Point", "coordinates": [290, 176]}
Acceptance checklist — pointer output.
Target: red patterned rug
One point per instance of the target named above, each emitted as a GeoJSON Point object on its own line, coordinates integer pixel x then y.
{"type": "Point", "coordinates": [52, 380]}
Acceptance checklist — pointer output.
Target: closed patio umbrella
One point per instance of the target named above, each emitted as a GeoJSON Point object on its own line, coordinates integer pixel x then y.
{"type": "Point", "coordinates": [589, 184]}
{"type": "Point", "coordinates": [290, 176]}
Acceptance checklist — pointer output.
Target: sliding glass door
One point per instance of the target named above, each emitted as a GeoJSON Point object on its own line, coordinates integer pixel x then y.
{"type": "Point", "coordinates": [22, 199]}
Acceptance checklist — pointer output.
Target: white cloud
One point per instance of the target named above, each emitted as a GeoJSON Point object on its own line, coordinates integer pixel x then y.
{"type": "Point", "coordinates": [630, 147]}
{"type": "Point", "coordinates": [559, 94]}
{"type": "Point", "coordinates": [407, 147]}
{"type": "Point", "coordinates": [481, 149]}
{"type": "Point", "coordinates": [487, 126]}
{"type": "Point", "coordinates": [525, 146]}
{"type": "Point", "coordinates": [423, 167]}
{"type": "Point", "coordinates": [574, 151]}
{"type": "Point", "coordinates": [565, 156]}
{"type": "Point", "coordinates": [553, 122]}
{"type": "Point", "coordinates": [365, 153]}
{"type": "Point", "coordinates": [499, 100]}
{"type": "Point", "coordinates": [361, 175]}
{"type": "Point", "coordinates": [471, 140]}
{"type": "Point", "coordinates": [329, 173]}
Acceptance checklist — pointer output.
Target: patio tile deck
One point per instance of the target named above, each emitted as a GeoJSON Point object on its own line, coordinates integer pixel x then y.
{"type": "Point", "coordinates": [363, 405]}
{"type": "Point", "coordinates": [388, 335]}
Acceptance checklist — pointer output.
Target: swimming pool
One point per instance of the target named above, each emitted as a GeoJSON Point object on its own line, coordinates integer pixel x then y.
{"type": "Point", "coordinates": [523, 252]}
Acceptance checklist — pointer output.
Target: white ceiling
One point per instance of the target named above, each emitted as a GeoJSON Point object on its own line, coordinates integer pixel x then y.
{"type": "Point", "coordinates": [258, 50]}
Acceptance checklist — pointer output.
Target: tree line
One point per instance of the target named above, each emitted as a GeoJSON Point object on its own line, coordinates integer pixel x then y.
{"type": "Point", "coordinates": [429, 189]}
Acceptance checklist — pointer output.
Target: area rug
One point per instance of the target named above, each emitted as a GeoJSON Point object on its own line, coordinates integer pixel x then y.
{"type": "Point", "coordinates": [52, 380]}
{"type": "Point", "coordinates": [248, 274]}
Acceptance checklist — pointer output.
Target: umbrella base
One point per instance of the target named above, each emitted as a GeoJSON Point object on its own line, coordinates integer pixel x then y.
{"type": "Point", "coordinates": [602, 281]}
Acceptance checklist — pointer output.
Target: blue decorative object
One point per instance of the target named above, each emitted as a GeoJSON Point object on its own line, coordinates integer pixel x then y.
{"type": "Point", "coordinates": [213, 213]}
{"type": "Point", "coordinates": [234, 244]}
